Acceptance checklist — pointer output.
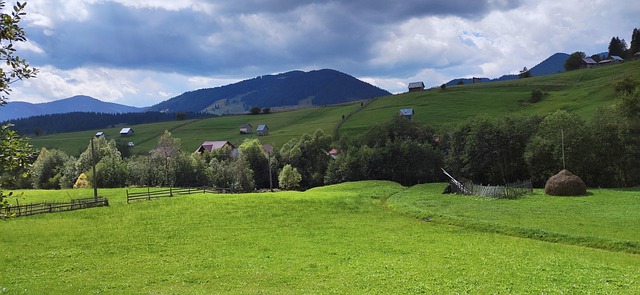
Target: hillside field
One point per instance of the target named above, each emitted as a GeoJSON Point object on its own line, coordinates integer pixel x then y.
{"type": "Point", "coordinates": [352, 238]}
{"type": "Point", "coordinates": [580, 91]}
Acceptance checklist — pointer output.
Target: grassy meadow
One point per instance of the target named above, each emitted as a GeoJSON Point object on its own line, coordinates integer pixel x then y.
{"type": "Point", "coordinates": [581, 92]}
{"type": "Point", "coordinates": [352, 238]}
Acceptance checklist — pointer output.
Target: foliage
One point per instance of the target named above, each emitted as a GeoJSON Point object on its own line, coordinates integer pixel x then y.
{"type": "Point", "coordinates": [111, 172]}
{"type": "Point", "coordinates": [255, 110]}
{"type": "Point", "coordinates": [574, 61]}
{"type": "Point", "coordinates": [525, 73]}
{"type": "Point", "coordinates": [617, 47]}
{"type": "Point", "coordinates": [626, 86]}
{"type": "Point", "coordinates": [165, 157]}
{"type": "Point", "coordinates": [48, 169]}
{"type": "Point", "coordinates": [15, 152]}
{"type": "Point", "coordinates": [289, 178]}
{"type": "Point", "coordinates": [634, 47]}
{"type": "Point", "coordinates": [537, 95]}
{"type": "Point", "coordinates": [251, 151]}
{"type": "Point", "coordinates": [308, 155]}
{"type": "Point", "coordinates": [266, 110]}
{"type": "Point", "coordinates": [242, 176]}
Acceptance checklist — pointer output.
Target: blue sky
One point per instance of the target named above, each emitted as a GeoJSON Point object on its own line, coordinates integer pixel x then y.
{"type": "Point", "coordinates": [143, 52]}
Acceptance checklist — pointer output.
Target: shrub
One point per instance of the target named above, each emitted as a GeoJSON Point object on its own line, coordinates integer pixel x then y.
{"type": "Point", "coordinates": [289, 178]}
{"type": "Point", "coordinates": [537, 95]}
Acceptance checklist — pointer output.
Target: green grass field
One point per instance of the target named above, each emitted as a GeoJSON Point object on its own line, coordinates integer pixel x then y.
{"type": "Point", "coordinates": [581, 92]}
{"type": "Point", "coordinates": [334, 239]}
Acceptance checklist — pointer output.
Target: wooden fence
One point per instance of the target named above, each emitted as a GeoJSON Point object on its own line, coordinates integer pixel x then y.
{"type": "Point", "coordinates": [509, 191]}
{"type": "Point", "coordinates": [170, 192]}
{"type": "Point", "coordinates": [50, 207]}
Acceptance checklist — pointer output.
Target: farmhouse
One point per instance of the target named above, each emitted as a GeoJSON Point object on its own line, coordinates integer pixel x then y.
{"type": "Point", "coordinates": [126, 131]}
{"type": "Point", "coordinates": [588, 62]}
{"type": "Point", "coordinates": [99, 134]}
{"type": "Point", "coordinates": [246, 129]}
{"type": "Point", "coordinates": [262, 130]}
{"type": "Point", "coordinates": [407, 113]}
{"type": "Point", "coordinates": [416, 86]}
{"type": "Point", "coordinates": [209, 146]}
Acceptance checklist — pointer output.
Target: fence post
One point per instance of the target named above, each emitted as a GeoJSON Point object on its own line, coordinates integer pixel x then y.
{"type": "Point", "coordinates": [148, 194]}
{"type": "Point", "coordinates": [127, 196]}
{"type": "Point", "coordinates": [170, 192]}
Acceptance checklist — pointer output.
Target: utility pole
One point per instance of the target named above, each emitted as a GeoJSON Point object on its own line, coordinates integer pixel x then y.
{"type": "Point", "coordinates": [93, 166]}
{"type": "Point", "coordinates": [270, 178]}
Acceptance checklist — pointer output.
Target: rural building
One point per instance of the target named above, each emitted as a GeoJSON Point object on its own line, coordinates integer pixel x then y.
{"type": "Point", "coordinates": [588, 62]}
{"type": "Point", "coordinates": [209, 146]}
{"type": "Point", "coordinates": [262, 130]}
{"type": "Point", "coordinates": [407, 113]}
{"type": "Point", "coordinates": [246, 129]}
{"type": "Point", "coordinates": [126, 131]}
{"type": "Point", "coordinates": [416, 86]}
{"type": "Point", "coordinates": [99, 134]}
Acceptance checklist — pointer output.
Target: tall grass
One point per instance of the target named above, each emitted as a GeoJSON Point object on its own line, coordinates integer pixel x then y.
{"type": "Point", "coordinates": [335, 239]}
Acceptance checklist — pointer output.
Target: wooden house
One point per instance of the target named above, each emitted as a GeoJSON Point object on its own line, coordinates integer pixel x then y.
{"type": "Point", "coordinates": [209, 146]}
{"type": "Point", "coordinates": [246, 129]}
{"type": "Point", "coordinates": [416, 86]}
{"type": "Point", "coordinates": [407, 113]}
{"type": "Point", "coordinates": [126, 131]}
{"type": "Point", "coordinates": [262, 130]}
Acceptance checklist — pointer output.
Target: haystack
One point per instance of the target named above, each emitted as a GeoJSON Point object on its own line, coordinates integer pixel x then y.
{"type": "Point", "coordinates": [565, 183]}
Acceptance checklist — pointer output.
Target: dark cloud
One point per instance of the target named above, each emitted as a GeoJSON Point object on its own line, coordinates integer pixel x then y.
{"type": "Point", "coordinates": [294, 33]}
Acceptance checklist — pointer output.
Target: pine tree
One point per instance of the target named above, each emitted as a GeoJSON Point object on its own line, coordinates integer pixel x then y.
{"type": "Point", "coordinates": [635, 42]}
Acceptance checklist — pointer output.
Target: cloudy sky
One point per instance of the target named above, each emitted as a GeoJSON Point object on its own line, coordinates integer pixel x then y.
{"type": "Point", "coordinates": [145, 51]}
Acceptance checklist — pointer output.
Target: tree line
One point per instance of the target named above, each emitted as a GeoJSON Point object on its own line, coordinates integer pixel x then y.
{"type": "Point", "coordinates": [80, 121]}
{"type": "Point", "coordinates": [617, 47]}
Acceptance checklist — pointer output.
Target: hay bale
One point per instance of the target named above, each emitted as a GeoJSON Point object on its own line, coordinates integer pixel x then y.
{"type": "Point", "coordinates": [565, 183]}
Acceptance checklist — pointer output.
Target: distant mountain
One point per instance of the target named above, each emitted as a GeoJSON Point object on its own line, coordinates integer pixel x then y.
{"type": "Point", "coordinates": [295, 88]}
{"type": "Point", "coordinates": [80, 103]}
{"type": "Point", "coordinates": [552, 65]}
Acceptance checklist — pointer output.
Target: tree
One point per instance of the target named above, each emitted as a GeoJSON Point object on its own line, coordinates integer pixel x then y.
{"type": "Point", "coordinates": [266, 110]}
{"type": "Point", "coordinates": [181, 116]}
{"type": "Point", "coordinates": [525, 73]}
{"type": "Point", "coordinates": [289, 178]}
{"type": "Point", "coordinates": [163, 158]}
{"type": "Point", "coordinates": [537, 95]}
{"type": "Point", "coordinates": [617, 47]}
{"type": "Point", "coordinates": [443, 86]}
{"type": "Point", "coordinates": [15, 150]}
{"type": "Point", "coordinates": [48, 169]}
{"type": "Point", "coordinates": [251, 151]}
{"type": "Point", "coordinates": [635, 42]}
{"type": "Point", "coordinates": [574, 61]}
{"type": "Point", "coordinates": [255, 110]}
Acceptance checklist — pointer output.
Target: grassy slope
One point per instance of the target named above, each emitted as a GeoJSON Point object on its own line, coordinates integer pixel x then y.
{"type": "Point", "coordinates": [606, 219]}
{"type": "Point", "coordinates": [582, 92]}
{"type": "Point", "coordinates": [283, 126]}
{"type": "Point", "coordinates": [334, 239]}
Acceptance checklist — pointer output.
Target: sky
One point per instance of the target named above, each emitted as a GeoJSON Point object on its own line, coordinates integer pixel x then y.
{"type": "Point", "coordinates": [142, 52]}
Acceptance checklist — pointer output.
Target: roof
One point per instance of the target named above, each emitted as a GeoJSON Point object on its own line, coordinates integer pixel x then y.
{"type": "Point", "coordinates": [125, 130]}
{"type": "Point", "coordinates": [262, 127]}
{"type": "Point", "coordinates": [589, 61]}
{"type": "Point", "coordinates": [617, 58]}
{"type": "Point", "coordinates": [406, 112]}
{"type": "Point", "coordinates": [416, 85]}
{"type": "Point", "coordinates": [99, 133]}
{"type": "Point", "coordinates": [267, 148]}
{"type": "Point", "coordinates": [246, 126]}
{"type": "Point", "coordinates": [214, 145]}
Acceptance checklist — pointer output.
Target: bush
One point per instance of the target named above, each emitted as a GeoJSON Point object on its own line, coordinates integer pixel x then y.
{"type": "Point", "coordinates": [537, 95]}
{"type": "Point", "coordinates": [289, 178]}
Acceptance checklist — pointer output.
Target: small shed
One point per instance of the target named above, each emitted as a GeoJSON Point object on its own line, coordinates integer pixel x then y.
{"type": "Point", "coordinates": [262, 130]}
{"type": "Point", "coordinates": [126, 131]}
{"type": "Point", "coordinates": [99, 134]}
{"type": "Point", "coordinates": [407, 113]}
{"type": "Point", "coordinates": [416, 86]}
{"type": "Point", "coordinates": [209, 146]}
{"type": "Point", "coordinates": [246, 129]}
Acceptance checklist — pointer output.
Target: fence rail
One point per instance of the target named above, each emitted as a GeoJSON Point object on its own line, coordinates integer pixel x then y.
{"type": "Point", "coordinates": [50, 207]}
{"type": "Point", "coordinates": [170, 192]}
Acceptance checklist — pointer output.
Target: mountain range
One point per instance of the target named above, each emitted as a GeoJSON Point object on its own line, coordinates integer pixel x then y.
{"type": "Point", "coordinates": [295, 88]}
{"type": "Point", "coordinates": [80, 103]}
{"type": "Point", "coordinates": [552, 65]}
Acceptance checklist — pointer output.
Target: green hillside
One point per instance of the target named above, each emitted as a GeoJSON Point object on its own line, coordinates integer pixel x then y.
{"type": "Point", "coordinates": [581, 92]}
{"type": "Point", "coordinates": [283, 126]}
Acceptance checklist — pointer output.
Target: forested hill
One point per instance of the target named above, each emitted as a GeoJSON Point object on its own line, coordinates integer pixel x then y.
{"type": "Point", "coordinates": [78, 121]}
{"type": "Point", "coordinates": [79, 103]}
{"type": "Point", "coordinates": [321, 87]}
